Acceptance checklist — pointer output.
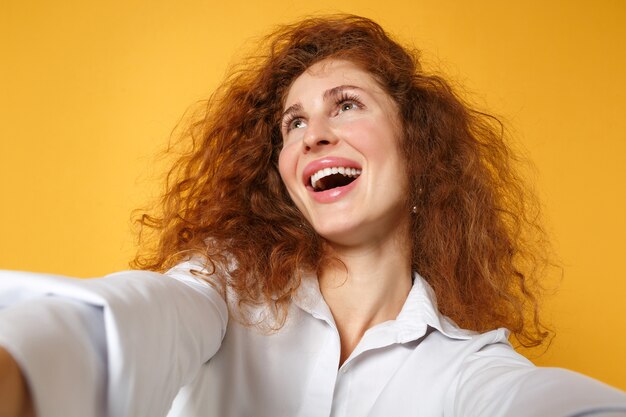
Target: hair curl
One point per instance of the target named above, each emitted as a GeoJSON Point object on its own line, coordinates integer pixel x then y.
{"type": "Point", "coordinates": [473, 233]}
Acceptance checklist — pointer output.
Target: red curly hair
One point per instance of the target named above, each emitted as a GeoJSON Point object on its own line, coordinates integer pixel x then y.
{"type": "Point", "coordinates": [472, 235]}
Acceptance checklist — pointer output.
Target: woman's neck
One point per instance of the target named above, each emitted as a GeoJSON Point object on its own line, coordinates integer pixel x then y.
{"type": "Point", "coordinates": [365, 286]}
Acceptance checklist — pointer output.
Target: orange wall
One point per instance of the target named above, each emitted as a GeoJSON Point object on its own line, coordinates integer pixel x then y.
{"type": "Point", "coordinates": [90, 93]}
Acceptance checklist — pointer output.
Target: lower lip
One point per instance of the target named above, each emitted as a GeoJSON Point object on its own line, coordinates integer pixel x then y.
{"type": "Point", "coordinates": [332, 195]}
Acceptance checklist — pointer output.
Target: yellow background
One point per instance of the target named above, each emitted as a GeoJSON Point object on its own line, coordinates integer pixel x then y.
{"type": "Point", "coordinates": [91, 90]}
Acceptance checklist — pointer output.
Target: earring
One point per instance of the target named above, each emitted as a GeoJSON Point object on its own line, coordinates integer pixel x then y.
{"type": "Point", "coordinates": [414, 209]}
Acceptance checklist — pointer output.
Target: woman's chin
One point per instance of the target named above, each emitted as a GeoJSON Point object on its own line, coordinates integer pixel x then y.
{"type": "Point", "coordinates": [336, 234]}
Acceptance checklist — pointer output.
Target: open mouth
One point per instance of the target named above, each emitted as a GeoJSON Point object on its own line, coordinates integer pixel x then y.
{"type": "Point", "coordinates": [328, 178]}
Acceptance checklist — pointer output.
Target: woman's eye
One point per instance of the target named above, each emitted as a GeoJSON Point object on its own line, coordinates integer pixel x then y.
{"type": "Point", "coordinates": [296, 123]}
{"type": "Point", "coordinates": [347, 105]}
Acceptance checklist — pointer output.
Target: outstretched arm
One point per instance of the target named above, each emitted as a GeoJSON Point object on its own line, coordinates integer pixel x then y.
{"type": "Point", "coordinates": [497, 382]}
{"type": "Point", "coordinates": [118, 346]}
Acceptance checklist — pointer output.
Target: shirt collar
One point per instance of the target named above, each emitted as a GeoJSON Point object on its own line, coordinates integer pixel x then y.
{"type": "Point", "coordinates": [418, 313]}
{"type": "Point", "coordinates": [309, 298]}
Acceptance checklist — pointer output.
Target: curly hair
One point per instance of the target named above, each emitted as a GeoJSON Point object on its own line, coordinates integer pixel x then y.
{"type": "Point", "coordinates": [475, 235]}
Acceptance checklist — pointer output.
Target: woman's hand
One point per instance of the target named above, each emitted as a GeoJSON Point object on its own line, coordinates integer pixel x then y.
{"type": "Point", "coordinates": [15, 398]}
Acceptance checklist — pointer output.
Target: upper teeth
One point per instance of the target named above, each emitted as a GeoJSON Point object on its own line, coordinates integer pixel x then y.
{"type": "Point", "coordinates": [349, 172]}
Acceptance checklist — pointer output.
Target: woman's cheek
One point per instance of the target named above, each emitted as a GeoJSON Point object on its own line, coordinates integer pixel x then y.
{"type": "Point", "coordinates": [287, 164]}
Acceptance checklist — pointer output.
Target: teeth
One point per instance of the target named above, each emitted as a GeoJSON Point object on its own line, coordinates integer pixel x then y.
{"type": "Point", "coordinates": [325, 172]}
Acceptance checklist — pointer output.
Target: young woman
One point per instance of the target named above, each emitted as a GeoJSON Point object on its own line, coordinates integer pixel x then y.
{"type": "Point", "coordinates": [344, 238]}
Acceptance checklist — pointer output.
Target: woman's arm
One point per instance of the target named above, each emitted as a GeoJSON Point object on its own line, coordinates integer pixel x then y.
{"type": "Point", "coordinates": [15, 398]}
{"type": "Point", "coordinates": [498, 382]}
{"type": "Point", "coordinates": [119, 346]}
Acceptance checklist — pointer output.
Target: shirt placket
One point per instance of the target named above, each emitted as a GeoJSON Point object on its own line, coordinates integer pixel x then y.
{"type": "Point", "coordinates": [318, 401]}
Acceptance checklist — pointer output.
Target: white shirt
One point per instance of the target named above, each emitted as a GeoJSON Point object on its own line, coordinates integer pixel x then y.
{"type": "Point", "coordinates": [124, 345]}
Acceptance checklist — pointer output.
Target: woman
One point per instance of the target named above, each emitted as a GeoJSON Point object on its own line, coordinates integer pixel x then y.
{"type": "Point", "coordinates": [346, 237]}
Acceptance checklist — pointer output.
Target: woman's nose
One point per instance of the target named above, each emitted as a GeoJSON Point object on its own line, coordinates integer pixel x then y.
{"type": "Point", "coordinates": [318, 134]}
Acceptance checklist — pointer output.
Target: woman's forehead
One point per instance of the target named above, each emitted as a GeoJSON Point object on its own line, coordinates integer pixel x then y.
{"type": "Point", "coordinates": [326, 75]}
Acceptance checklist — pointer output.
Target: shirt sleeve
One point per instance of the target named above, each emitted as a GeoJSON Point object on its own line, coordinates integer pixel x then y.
{"type": "Point", "coordinates": [497, 381]}
{"type": "Point", "coordinates": [121, 345]}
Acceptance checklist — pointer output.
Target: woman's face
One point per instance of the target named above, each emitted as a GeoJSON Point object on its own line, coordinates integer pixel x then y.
{"type": "Point", "coordinates": [340, 159]}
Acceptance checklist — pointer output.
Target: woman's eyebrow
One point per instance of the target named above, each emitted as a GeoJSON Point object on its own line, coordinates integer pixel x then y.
{"type": "Point", "coordinates": [328, 94]}
{"type": "Point", "coordinates": [335, 91]}
{"type": "Point", "coordinates": [294, 108]}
